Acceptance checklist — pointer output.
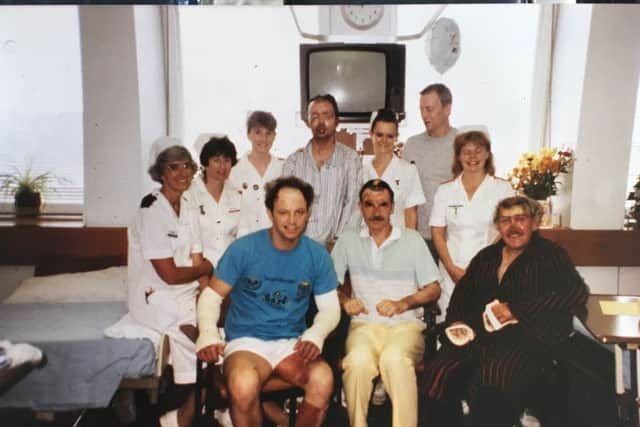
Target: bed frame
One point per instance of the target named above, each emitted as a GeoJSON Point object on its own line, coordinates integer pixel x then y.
{"type": "Point", "coordinates": [55, 250]}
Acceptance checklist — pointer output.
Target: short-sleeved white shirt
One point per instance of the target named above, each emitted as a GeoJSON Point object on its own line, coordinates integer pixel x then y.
{"type": "Point", "coordinates": [219, 221]}
{"type": "Point", "coordinates": [403, 178]}
{"type": "Point", "coordinates": [394, 270]}
{"type": "Point", "coordinates": [251, 185]}
{"type": "Point", "coordinates": [469, 222]}
{"type": "Point", "coordinates": [158, 233]}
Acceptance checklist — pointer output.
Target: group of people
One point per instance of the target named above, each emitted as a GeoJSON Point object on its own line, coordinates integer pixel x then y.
{"type": "Point", "coordinates": [272, 234]}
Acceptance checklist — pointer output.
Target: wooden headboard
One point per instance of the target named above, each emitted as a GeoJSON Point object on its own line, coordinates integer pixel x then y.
{"type": "Point", "coordinates": [63, 249]}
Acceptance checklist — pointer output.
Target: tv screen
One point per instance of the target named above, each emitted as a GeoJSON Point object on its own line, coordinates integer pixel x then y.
{"type": "Point", "coordinates": [362, 77]}
{"type": "Point", "coordinates": [357, 79]}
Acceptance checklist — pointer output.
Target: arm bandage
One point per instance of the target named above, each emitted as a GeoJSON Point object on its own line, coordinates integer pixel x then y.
{"type": "Point", "coordinates": [326, 319]}
{"type": "Point", "coordinates": [208, 312]}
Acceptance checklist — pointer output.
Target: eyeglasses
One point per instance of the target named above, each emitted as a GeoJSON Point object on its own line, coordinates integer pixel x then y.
{"type": "Point", "coordinates": [518, 219]}
{"type": "Point", "coordinates": [173, 167]}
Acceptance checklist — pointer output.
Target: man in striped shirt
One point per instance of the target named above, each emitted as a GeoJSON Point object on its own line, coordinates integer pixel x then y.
{"type": "Point", "coordinates": [333, 170]}
{"type": "Point", "coordinates": [507, 314]}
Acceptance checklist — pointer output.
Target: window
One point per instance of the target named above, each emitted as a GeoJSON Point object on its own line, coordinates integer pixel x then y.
{"type": "Point", "coordinates": [41, 102]}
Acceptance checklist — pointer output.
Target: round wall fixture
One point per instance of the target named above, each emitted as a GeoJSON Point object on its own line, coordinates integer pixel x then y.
{"type": "Point", "coordinates": [443, 47]}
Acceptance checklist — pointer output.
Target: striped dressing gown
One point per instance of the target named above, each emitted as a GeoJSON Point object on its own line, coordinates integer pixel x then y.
{"type": "Point", "coordinates": [543, 290]}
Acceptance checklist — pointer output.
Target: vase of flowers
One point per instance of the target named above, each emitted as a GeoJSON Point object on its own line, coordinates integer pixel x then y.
{"type": "Point", "coordinates": [536, 176]}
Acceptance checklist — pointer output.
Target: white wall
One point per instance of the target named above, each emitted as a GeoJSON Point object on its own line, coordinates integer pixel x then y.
{"type": "Point", "coordinates": [606, 118]}
{"type": "Point", "coordinates": [239, 59]}
{"type": "Point", "coordinates": [124, 107]}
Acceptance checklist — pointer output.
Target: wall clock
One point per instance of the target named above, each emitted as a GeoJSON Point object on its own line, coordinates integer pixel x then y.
{"type": "Point", "coordinates": [362, 17]}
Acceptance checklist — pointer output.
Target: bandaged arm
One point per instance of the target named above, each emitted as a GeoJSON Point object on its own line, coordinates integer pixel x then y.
{"type": "Point", "coordinates": [325, 320]}
{"type": "Point", "coordinates": [208, 313]}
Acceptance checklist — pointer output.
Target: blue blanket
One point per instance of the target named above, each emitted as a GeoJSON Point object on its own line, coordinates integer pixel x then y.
{"type": "Point", "coordinates": [84, 368]}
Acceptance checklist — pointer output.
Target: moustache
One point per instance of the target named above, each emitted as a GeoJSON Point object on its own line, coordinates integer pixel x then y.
{"type": "Point", "coordinates": [512, 230]}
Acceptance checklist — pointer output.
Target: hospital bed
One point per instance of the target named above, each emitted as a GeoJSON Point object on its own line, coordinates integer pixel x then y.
{"type": "Point", "coordinates": [65, 315]}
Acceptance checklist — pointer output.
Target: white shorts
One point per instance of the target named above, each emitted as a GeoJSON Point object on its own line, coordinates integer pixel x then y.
{"type": "Point", "coordinates": [273, 351]}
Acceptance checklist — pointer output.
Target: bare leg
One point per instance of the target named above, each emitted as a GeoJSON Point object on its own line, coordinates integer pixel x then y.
{"type": "Point", "coordinates": [186, 411]}
{"type": "Point", "coordinates": [317, 393]}
{"type": "Point", "coordinates": [246, 373]}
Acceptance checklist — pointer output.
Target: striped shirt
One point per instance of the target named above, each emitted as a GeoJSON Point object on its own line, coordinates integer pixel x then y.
{"type": "Point", "coordinates": [335, 184]}
{"type": "Point", "coordinates": [399, 267]}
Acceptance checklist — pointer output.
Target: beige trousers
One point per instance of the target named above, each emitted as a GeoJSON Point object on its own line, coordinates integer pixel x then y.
{"type": "Point", "coordinates": [391, 352]}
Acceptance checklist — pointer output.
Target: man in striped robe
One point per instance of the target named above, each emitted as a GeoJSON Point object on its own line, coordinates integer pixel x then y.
{"type": "Point", "coordinates": [493, 356]}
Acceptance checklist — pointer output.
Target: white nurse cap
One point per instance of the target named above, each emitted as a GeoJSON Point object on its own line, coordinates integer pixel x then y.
{"type": "Point", "coordinates": [203, 138]}
{"type": "Point", "coordinates": [161, 144]}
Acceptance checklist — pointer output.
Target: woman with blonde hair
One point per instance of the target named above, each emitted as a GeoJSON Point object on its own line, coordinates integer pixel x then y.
{"type": "Point", "coordinates": [461, 219]}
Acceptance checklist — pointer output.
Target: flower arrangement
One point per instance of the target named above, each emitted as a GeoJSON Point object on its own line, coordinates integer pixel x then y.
{"type": "Point", "coordinates": [536, 174]}
{"type": "Point", "coordinates": [633, 213]}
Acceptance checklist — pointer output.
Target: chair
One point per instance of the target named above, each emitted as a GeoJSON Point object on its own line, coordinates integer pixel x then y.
{"type": "Point", "coordinates": [211, 379]}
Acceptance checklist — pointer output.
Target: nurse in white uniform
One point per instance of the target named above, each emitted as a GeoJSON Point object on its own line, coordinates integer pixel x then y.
{"type": "Point", "coordinates": [254, 170]}
{"type": "Point", "coordinates": [401, 175]}
{"type": "Point", "coordinates": [461, 219]}
{"type": "Point", "coordinates": [165, 263]}
{"type": "Point", "coordinates": [216, 201]}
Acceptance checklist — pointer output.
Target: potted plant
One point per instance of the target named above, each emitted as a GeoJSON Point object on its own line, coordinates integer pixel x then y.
{"type": "Point", "coordinates": [27, 188]}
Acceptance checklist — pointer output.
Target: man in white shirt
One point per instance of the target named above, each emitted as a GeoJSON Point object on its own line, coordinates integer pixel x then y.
{"type": "Point", "coordinates": [432, 150]}
{"type": "Point", "coordinates": [392, 277]}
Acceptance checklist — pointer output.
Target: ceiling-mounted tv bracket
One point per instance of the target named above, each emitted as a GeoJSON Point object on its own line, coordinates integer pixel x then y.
{"type": "Point", "coordinates": [398, 37]}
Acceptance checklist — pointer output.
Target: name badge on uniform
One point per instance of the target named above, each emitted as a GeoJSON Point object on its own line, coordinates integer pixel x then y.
{"type": "Point", "coordinates": [172, 234]}
{"type": "Point", "coordinates": [233, 210]}
{"type": "Point", "coordinates": [455, 208]}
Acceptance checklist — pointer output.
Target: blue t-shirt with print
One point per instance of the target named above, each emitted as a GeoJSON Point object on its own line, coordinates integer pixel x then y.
{"type": "Point", "coordinates": [272, 289]}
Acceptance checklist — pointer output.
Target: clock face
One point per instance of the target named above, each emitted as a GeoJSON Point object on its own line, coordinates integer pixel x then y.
{"type": "Point", "coordinates": [362, 17]}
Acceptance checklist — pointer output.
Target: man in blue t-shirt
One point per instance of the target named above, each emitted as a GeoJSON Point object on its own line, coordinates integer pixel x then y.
{"type": "Point", "coordinates": [271, 275]}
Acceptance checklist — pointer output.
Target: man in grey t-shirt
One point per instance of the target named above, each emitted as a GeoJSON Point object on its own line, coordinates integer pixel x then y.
{"type": "Point", "coordinates": [432, 150]}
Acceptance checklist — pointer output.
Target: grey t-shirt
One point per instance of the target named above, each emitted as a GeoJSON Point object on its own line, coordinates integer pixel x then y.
{"type": "Point", "coordinates": [433, 157]}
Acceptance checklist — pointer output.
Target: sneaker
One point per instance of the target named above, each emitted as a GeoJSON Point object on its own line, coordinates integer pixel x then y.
{"type": "Point", "coordinates": [170, 419]}
{"type": "Point", "coordinates": [379, 394]}
{"type": "Point", "coordinates": [223, 417]}
{"type": "Point", "coordinates": [529, 420]}
{"type": "Point", "coordinates": [465, 408]}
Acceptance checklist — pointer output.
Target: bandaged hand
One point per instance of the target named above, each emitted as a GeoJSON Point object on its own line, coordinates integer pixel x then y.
{"type": "Point", "coordinates": [208, 313]}
{"type": "Point", "coordinates": [502, 312]}
{"type": "Point", "coordinates": [460, 334]}
{"type": "Point", "coordinates": [211, 353]}
{"type": "Point", "coordinates": [497, 315]}
{"type": "Point", "coordinates": [389, 308]}
{"type": "Point", "coordinates": [354, 306]}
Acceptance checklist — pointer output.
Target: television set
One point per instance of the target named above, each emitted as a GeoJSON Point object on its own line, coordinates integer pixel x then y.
{"type": "Point", "coordinates": [362, 77]}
